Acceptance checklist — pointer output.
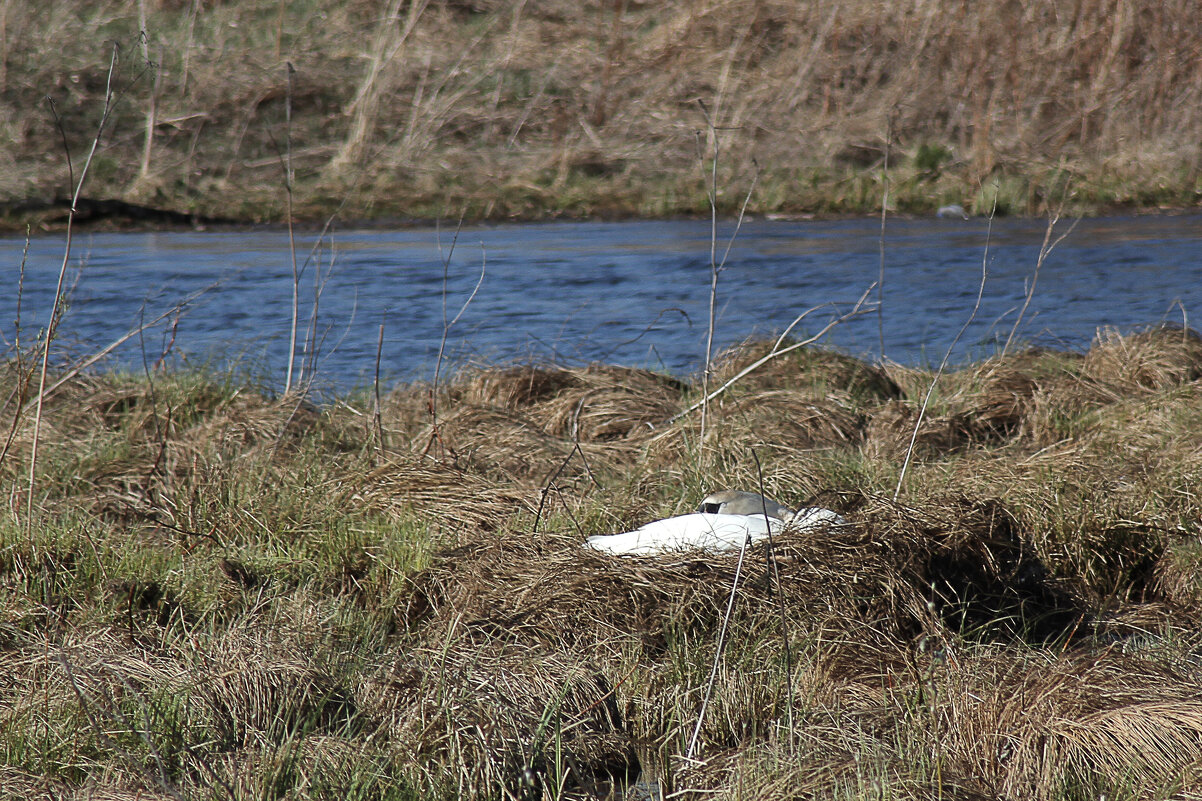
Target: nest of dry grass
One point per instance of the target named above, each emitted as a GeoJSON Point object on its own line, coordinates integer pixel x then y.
{"type": "Point", "coordinates": [550, 589]}
{"type": "Point", "coordinates": [878, 578]}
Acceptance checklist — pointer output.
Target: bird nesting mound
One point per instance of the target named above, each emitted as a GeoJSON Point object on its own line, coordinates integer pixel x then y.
{"type": "Point", "coordinates": [883, 575]}
{"type": "Point", "coordinates": [550, 589]}
{"type": "Point", "coordinates": [497, 614]}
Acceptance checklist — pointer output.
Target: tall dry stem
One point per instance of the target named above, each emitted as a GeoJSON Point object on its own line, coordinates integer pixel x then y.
{"type": "Point", "coordinates": [778, 590]}
{"type": "Point", "coordinates": [1045, 250]}
{"type": "Point", "coordinates": [716, 267]}
{"type": "Point", "coordinates": [447, 325]}
{"type": "Point", "coordinates": [948, 353]}
{"type": "Point", "coordinates": [152, 109]}
{"type": "Point", "coordinates": [880, 281]}
{"type": "Point", "coordinates": [193, 11]}
{"type": "Point", "coordinates": [23, 377]}
{"type": "Point", "coordinates": [288, 177]}
{"type": "Point", "coordinates": [387, 43]}
{"type": "Point", "coordinates": [377, 411]}
{"type": "Point", "coordinates": [711, 191]}
{"type": "Point", "coordinates": [718, 649]}
{"type": "Point", "coordinates": [109, 97]}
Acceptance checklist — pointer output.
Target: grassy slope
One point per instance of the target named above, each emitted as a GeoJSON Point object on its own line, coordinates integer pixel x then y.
{"type": "Point", "coordinates": [532, 109]}
{"type": "Point", "coordinates": [221, 595]}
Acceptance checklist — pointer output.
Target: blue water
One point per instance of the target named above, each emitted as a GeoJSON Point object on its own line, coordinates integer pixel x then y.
{"type": "Point", "coordinates": [633, 293]}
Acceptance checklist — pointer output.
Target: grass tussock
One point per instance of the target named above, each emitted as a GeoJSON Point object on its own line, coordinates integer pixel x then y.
{"type": "Point", "coordinates": [212, 593]}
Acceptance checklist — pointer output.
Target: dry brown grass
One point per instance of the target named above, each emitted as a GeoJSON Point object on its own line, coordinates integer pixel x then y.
{"type": "Point", "coordinates": [824, 374]}
{"type": "Point", "coordinates": [493, 709]}
{"type": "Point", "coordinates": [228, 596]}
{"type": "Point", "coordinates": [1005, 724]}
{"type": "Point", "coordinates": [440, 494]}
{"type": "Point", "coordinates": [545, 108]}
{"type": "Point", "coordinates": [1152, 360]}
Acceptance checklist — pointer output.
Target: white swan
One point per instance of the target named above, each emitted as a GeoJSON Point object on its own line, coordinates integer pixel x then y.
{"type": "Point", "coordinates": [722, 523]}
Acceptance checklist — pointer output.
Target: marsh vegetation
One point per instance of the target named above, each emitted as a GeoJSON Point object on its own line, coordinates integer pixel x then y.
{"type": "Point", "coordinates": [210, 590]}
{"type": "Point", "coordinates": [214, 593]}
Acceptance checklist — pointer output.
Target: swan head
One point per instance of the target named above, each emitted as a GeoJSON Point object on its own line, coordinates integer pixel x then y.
{"type": "Point", "coordinates": [733, 502]}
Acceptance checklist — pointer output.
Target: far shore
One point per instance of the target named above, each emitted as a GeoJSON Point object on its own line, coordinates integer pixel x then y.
{"type": "Point", "coordinates": [257, 112]}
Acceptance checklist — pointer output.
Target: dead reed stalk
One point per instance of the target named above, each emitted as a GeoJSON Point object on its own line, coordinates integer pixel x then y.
{"type": "Point", "coordinates": [48, 338]}
{"type": "Point", "coordinates": [901, 478]}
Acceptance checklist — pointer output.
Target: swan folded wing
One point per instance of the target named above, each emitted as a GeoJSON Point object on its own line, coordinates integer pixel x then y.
{"type": "Point", "coordinates": [706, 531]}
{"type": "Point", "coordinates": [816, 517]}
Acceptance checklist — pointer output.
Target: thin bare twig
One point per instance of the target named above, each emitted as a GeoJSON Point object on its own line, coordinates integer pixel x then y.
{"type": "Point", "coordinates": [1045, 250]}
{"type": "Point", "coordinates": [709, 689]}
{"type": "Point", "coordinates": [777, 351]}
{"type": "Point", "coordinates": [376, 390]}
{"type": "Point", "coordinates": [446, 326]}
{"type": "Point", "coordinates": [288, 175]}
{"type": "Point", "coordinates": [779, 590]}
{"type": "Point", "coordinates": [121, 340]}
{"type": "Point", "coordinates": [23, 376]}
{"type": "Point", "coordinates": [109, 97]}
{"type": "Point", "coordinates": [880, 281]}
{"type": "Point", "coordinates": [716, 266]}
{"type": "Point", "coordinates": [947, 354]}
{"type": "Point", "coordinates": [711, 191]}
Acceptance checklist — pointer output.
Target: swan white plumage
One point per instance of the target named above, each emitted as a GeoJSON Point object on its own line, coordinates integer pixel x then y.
{"type": "Point", "coordinates": [723, 522]}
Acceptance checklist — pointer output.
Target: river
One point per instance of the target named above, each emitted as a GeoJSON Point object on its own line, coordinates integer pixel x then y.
{"type": "Point", "coordinates": [634, 293]}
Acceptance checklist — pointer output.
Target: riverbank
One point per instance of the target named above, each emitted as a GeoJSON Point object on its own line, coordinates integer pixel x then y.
{"type": "Point", "coordinates": [253, 110]}
{"type": "Point", "coordinates": [212, 592]}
